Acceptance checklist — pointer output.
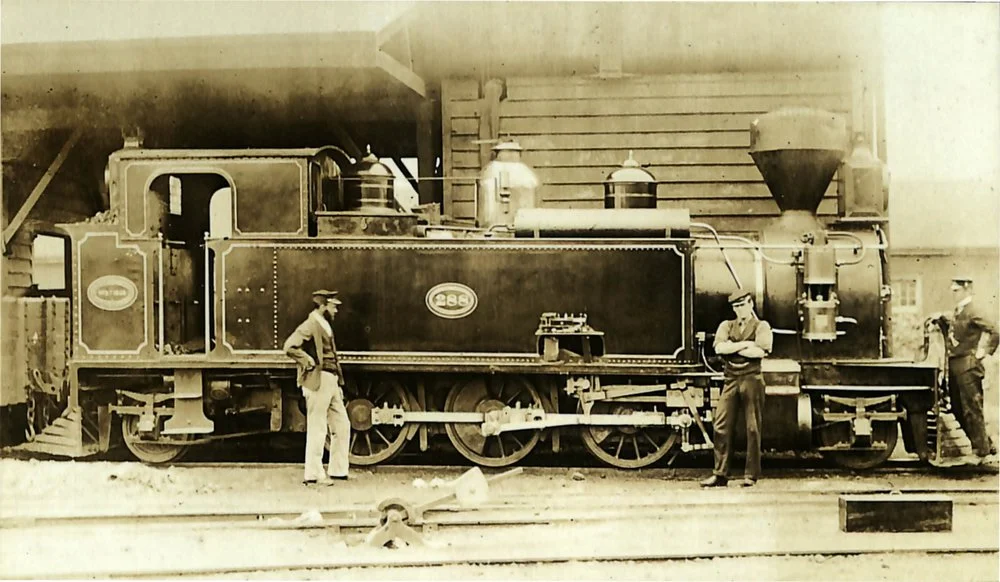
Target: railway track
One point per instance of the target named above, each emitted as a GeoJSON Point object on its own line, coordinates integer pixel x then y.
{"type": "Point", "coordinates": [411, 561]}
{"type": "Point", "coordinates": [582, 515]}
{"type": "Point", "coordinates": [788, 468]}
{"type": "Point", "coordinates": [518, 509]}
{"type": "Point", "coordinates": [518, 517]}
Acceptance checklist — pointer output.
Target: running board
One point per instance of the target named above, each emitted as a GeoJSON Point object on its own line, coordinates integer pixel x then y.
{"type": "Point", "coordinates": [64, 438]}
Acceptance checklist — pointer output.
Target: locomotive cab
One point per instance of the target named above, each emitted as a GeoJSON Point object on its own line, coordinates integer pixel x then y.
{"type": "Point", "coordinates": [146, 289]}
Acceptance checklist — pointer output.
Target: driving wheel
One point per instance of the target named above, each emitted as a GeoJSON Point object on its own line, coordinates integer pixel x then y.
{"type": "Point", "coordinates": [626, 446]}
{"type": "Point", "coordinates": [486, 394]}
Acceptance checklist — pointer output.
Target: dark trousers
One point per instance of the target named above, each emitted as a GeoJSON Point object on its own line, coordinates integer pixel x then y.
{"type": "Point", "coordinates": [965, 386]}
{"type": "Point", "coordinates": [746, 392]}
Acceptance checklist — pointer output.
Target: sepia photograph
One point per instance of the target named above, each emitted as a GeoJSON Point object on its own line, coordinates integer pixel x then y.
{"type": "Point", "coordinates": [499, 290]}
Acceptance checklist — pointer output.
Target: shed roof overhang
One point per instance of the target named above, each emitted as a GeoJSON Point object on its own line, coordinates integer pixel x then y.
{"type": "Point", "coordinates": [292, 77]}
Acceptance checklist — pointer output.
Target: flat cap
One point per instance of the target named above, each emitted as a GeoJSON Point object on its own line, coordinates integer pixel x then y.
{"type": "Point", "coordinates": [739, 294]}
{"type": "Point", "coordinates": [327, 295]}
{"type": "Point", "coordinates": [961, 280]}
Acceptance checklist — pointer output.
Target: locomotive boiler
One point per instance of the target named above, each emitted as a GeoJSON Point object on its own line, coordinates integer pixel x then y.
{"type": "Point", "coordinates": [535, 325]}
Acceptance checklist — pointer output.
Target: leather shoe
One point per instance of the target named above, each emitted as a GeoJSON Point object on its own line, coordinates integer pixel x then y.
{"type": "Point", "coordinates": [715, 481]}
{"type": "Point", "coordinates": [748, 482]}
{"type": "Point", "coordinates": [325, 482]}
{"type": "Point", "coordinates": [340, 477]}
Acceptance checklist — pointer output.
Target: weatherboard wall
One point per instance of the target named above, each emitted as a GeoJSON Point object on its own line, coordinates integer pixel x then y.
{"type": "Point", "coordinates": [690, 131]}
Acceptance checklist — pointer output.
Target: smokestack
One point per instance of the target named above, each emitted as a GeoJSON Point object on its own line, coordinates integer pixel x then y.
{"type": "Point", "coordinates": [797, 151]}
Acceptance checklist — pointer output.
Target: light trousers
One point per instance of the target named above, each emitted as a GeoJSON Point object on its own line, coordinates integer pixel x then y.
{"type": "Point", "coordinates": [326, 416]}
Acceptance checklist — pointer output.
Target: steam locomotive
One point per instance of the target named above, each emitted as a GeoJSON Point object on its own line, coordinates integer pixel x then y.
{"type": "Point", "coordinates": [532, 325]}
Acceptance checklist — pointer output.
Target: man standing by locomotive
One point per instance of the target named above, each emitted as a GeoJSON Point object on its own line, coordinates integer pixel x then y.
{"type": "Point", "coordinates": [742, 342]}
{"type": "Point", "coordinates": [313, 348]}
{"type": "Point", "coordinates": [967, 346]}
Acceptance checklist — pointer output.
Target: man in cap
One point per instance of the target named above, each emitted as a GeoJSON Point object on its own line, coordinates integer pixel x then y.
{"type": "Point", "coordinates": [970, 337]}
{"type": "Point", "coordinates": [313, 348]}
{"type": "Point", "coordinates": [742, 342]}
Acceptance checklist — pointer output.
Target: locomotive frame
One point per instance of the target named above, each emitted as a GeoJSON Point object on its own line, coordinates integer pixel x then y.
{"type": "Point", "coordinates": [495, 390]}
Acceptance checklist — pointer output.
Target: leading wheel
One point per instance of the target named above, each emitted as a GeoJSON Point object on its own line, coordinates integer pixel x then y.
{"type": "Point", "coordinates": [626, 446]}
{"type": "Point", "coordinates": [164, 450]}
{"type": "Point", "coordinates": [485, 394]}
{"type": "Point", "coordinates": [884, 437]}
{"type": "Point", "coordinates": [372, 444]}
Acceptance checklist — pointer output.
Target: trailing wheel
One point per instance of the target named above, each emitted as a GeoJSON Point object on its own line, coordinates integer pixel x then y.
{"type": "Point", "coordinates": [486, 394]}
{"type": "Point", "coordinates": [839, 434]}
{"type": "Point", "coordinates": [372, 444]}
{"type": "Point", "coordinates": [883, 434]}
{"type": "Point", "coordinates": [158, 452]}
{"type": "Point", "coordinates": [626, 446]}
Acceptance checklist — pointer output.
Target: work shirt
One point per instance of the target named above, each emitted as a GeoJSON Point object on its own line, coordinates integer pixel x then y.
{"type": "Point", "coordinates": [751, 329]}
{"type": "Point", "coordinates": [968, 324]}
{"type": "Point", "coordinates": [328, 345]}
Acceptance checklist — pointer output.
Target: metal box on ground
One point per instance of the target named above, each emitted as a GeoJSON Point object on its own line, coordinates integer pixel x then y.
{"type": "Point", "coordinates": [895, 513]}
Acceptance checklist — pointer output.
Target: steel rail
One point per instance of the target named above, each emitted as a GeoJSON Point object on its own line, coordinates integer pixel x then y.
{"type": "Point", "coordinates": [585, 508]}
{"type": "Point", "coordinates": [890, 467]}
{"type": "Point", "coordinates": [502, 560]}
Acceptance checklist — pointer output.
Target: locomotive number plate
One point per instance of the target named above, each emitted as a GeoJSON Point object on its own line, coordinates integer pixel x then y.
{"type": "Point", "coordinates": [451, 300]}
{"type": "Point", "coordinates": [112, 293]}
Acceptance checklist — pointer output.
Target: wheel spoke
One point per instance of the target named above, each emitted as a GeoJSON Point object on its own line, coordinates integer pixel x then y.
{"type": "Point", "coordinates": [500, 445]}
{"type": "Point", "coordinates": [621, 441]}
{"type": "Point", "coordinates": [650, 439]}
{"type": "Point", "coordinates": [635, 445]}
{"type": "Point", "coordinates": [368, 439]}
{"type": "Point", "coordinates": [598, 433]}
{"type": "Point", "coordinates": [381, 436]}
{"type": "Point", "coordinates": [381, 394]}
{"type": "Point", "coordinates": [354, 439]}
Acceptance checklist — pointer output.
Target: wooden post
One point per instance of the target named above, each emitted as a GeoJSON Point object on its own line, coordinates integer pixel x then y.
{"type": "Point", "coordinates": [347, 142]}
{"type": "Point", "coordinates": [426, 154]}
{"type": "Point", "coordinates": [15, 223]}
{"type": "Point", "coordinates": [489, 119]}
{"type": "Point", "coordinates": [405, 172]}
{"type": "Point", "coordinates": [609, 39]}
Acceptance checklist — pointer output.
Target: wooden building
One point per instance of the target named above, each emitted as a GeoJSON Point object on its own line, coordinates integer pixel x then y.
{"type": "Point", "coordinates": [580, 85]}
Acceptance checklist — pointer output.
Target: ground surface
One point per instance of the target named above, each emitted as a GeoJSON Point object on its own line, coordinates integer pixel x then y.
{"type": "Point", "coordinates": [785, 513]}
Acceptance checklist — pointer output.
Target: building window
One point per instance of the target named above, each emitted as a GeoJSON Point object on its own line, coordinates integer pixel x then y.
{"type": "Point", "coordinates": [906, 295]}
{"type": "Point", "coordinates": [48, 262]}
